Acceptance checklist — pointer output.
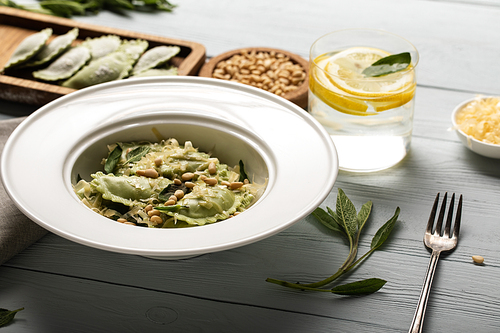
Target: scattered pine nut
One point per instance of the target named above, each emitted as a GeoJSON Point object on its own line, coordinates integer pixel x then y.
{"type": "Point", "coordinates": [235, 185]}
{"type": "Point", "coordinates": [177, 181]}
{"type": "Point", "coordinates": [179, 194]}
{"type": "Point", "coordinates": [153, 212]}
{"type": "Point", "coordinates": [211, 168]}
{"type": "Point", "coordinates": [151, 173]}
{"type": "Point", "coordinates": [478, 259]}
{"type": "Point", "coordinates": [187, 176]}
{"type": "Point", "coordinates": [156, 219]}
{"type": "Point", "coordinates": [211, 181]}
{"type": "Point", "coordinates": [189, 184]}
{"type": "Point", "coordinates": [121, 220]}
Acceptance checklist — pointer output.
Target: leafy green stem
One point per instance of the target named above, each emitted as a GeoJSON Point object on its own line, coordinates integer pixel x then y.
{"type": "Point", "coordinates": [349, 223]}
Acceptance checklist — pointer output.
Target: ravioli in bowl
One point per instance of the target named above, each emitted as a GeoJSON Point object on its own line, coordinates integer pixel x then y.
{"type": "Point", "coordinates": [167, 185]}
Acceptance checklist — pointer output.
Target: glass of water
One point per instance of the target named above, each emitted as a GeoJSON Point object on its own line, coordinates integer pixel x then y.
{"type": "Point", "coordinates": [362, 90]}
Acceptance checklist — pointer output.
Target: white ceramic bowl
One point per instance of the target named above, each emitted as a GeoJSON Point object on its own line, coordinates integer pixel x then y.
{"type": "Point", "coordinates": [277, 141]}
{"type": "Point", "coordinates": [477, 146]}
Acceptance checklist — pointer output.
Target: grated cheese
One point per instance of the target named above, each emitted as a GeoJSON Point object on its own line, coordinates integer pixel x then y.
{"type": "Point", "coordinates": [481, 119]}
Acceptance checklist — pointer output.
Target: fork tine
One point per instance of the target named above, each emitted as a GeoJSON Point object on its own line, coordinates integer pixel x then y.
{"type": "Point", "coordinates": [439, 223]}
{"type": "Point", "coordinates": [433, 215]}
{"type": "Point", "coordinates": [458, 219]}
{"type": "Point", "coordinates": [450, 217]}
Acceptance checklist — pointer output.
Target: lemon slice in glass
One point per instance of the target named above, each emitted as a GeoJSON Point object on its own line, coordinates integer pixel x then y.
{"type": "Point", "coordinates": [346, 69]}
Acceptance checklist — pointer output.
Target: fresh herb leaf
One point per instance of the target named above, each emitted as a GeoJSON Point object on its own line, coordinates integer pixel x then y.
{"type": "Point", "coordinates": [363, 287]}
{"type": "Point", "coordinates": [68, 8]}
{"type": "Point", "coordinates": [388, 65]}
{"type": "Point", "coordinates": [383, 233]}
{"type": "Point", "coordinates": [136, 154]}
{"type": "Point", "coordinates": [347, 214]}
{"type": "Point", "coordinates": [326, 219]}
{"type": "Point", "coordinates": [113, 159]}
{"type": "Point", "coordinates": [363, 214]}
{"type": "Point", "coordinates": [243, 174]}
{"type": "Point", "coordinates": [350, 223]}
{"type": "Point", "coordinates": [172, 208]}
{"type": "Point", "coordinates": [63, 8]}
{"type": "Point", "coordinates": [6, 316]}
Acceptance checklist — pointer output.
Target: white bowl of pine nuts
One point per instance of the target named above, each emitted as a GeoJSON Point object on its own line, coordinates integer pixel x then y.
{"type": "Point", "coordinates": [280, 72]}
{"type": "Point", "coordinates": [230, 121]}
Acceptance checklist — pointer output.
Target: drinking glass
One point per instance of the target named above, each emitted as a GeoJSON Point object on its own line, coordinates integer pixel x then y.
{"type": "Point", "coordinates": [369, 118]}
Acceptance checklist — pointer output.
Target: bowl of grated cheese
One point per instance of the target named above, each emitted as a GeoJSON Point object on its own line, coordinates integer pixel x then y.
{"type": "Point", "coordinates": [477, 124]}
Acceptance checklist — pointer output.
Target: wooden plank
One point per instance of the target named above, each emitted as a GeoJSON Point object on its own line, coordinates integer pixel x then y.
{"type": "Point", "coordinates": [17, 85]}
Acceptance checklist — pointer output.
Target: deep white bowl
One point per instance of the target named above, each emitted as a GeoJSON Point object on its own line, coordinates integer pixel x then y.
{"type": "Point", "coordinates": [477, 146]}
{"type": "Point", "coordinates": [278, 141]}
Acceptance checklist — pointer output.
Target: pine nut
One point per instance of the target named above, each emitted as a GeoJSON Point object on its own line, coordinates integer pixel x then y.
{"type": "Point", "coordinates": [478, 259]}
{"type": "Point", "coordinates": [212, 168]}
{"type": "Point", "coordinates": [148, 208]}
{"type": "Point", "coordinates": [187, 176]}
{"type": "Point", "coordinates": [173, 198]}
{"type": "Point", "coordinates": [179, 194]}
{"type": "Point", "coordinates": [210, 181]}
{"type": "Point", "coordinates": [153, 212]}
{"type": "Point", "coordinates": [177, 181]}
{"type": "Point", "coordinates": [129, 223]}
{"type": "Point", "coordinates": [151, 173]}
{"type": "Point", "coordinates": [170, 203]}
{"type": "Point", "coordinates": [224, 182]}
{"type": "Point", "coordinates": [235, 185]}
{"type": "Point", "coordinates": [121, 220]}
{"type": "Point", "coordinates": [158, 161]}
{"type": "Point", "coordinates": [156, 219]}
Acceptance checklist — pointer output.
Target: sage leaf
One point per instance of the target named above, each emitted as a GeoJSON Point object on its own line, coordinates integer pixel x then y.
{"type": "Point", "coordinates": [347, 220]}
{"type": "Point", "coordinates": [136, 154]}
{"type": "Point", "coordinates": [363, 214]}
{"type": "Point", "coordinates": [347, 214]}
{"type": "Point", "coordinates": [172, 208]}
{"type": "Point", "coordinates": [388, 65]}
{"type": "Point", "coordinates": [362, 287]}
{"type": "Point", "coordinates": [326, 219]}
{"type": "Point", "coordinates": [6, 316]}
{"type": "Point", "coordinates": [383, 233]}
{"type": "Point", "coordinates": [63, 8]}
{"type": "Point", "coordinates": [113, 159]}
{"type": "Point", "coordinates": [243, 174]}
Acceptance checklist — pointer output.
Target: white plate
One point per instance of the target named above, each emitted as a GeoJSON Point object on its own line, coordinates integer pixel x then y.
{"type": "Point", "coordinates": [278, 140]}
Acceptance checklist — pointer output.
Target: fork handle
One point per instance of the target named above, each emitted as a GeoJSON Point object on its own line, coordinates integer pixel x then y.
{"type": "Point", "coordinates": [418, 318]}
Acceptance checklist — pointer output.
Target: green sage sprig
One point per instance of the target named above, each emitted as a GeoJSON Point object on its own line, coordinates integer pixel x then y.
{"type": "Point", "coordinates": [348, 222]}
{"type": "Point", "coordinates": [69, 8]}
{"type": "Point", "coordinates": [6, 316]}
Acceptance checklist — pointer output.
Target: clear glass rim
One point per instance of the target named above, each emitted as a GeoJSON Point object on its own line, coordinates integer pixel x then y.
{"type": "Point", "coordinates": [371, 79]}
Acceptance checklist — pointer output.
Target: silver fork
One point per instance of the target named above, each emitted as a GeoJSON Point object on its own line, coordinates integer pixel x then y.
{"type": "Point", "coordinates": [438, 242]}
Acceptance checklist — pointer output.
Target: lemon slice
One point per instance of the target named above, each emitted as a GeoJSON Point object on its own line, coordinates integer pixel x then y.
{"type": "Point", "coordinates": [321, 85]}
{"type": "Point", "coordinates": [346, 69]}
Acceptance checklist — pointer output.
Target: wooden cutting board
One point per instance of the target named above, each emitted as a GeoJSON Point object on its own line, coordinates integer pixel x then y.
{"type": "Point", "coordinates": [20, 86]}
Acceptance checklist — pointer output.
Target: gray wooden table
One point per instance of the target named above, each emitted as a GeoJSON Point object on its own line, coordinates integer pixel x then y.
{"type": "Point", "coordinates": [67, 287]}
